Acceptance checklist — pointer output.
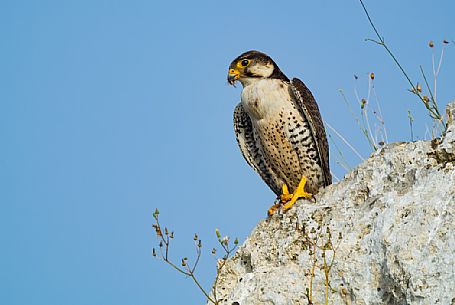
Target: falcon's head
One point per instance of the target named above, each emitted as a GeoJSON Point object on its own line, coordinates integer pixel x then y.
{"type": "Point", "coordinates": [251, 66]}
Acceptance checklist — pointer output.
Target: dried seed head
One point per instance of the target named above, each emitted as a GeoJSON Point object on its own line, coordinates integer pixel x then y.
{"type": "Point", "coordinates": [156, 213]}
{"type": "Point", "coordinates": [411, 118]}
{"type": "Point", "coordinates": [363, 103]}
{"type": "Point", "coordinates": [172, 234]}
{"type": "Point", "coordinates": [213, 251]}
{"type": "Point", "coordinates": [372, 75]}
{"type": "Point", "coordinates": [183, 262]}
{"type": "Point", "coordinates": [418, 87]}
{"type": "Point", "coordinates": [154, 252]}
{"type": "Point", "coordinates": [199, 243]}
{"type": "Point", "coordinates": [161, 244]}
{"type": "Point", "coordinates": [166, 231]}
{"type": "Point", "coordinates": [195, 236]}
{"type": "Point", "coordinates": [226, 240]}
{"type": "Point", "coordinates": [431, 44]}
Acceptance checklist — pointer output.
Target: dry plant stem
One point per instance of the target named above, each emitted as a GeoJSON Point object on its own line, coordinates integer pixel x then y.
{"type": "Point", "coordinates": [327, 269]}
{"type": "Point", "coordinates": [411, 120]}
{"type": "Point", "coordinates": [434, 112]}
{"type": "Point", "coordinates": [343, 163]}
{"type": "Point", "coordinates": [437, 117]}
{"type": "Point", "coordinates": [335, 176]}
{"type": "Point", "coordinates": [203, 290]}
{"type": "Point", "coordinates": [361, 127]}
{"type": "Point", "coordinates": [228, 253]}
{"type": "Point", "coordinates": [326, 266]}
{"type": "Point", "coordinates": [436, 72]}
{"type": "Point", "coordinates": [365, 114]}
{"type": "Point", "coordinates": [326, 274]}
{"type": "Point", "coordinates": [313, 267]}
{"type": "Point", "coordinates": [218, 272]}
{"type": "Point", "coordinates": [433, 101]}
{"type": "Point", "coordinates": [189, 271]}
{"type": "Point", "coordinates": [345, 141]}
{"type": "Point", "coordinates": [428, 134]}
{"type": "Point", "coordinates": [381, 117]}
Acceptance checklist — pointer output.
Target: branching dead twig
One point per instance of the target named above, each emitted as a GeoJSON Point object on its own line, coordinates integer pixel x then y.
{"type": "Point", "coordinates": [318, 242]}
{"type": "Point", "coordinates": [224, 242]}
{"type": "Point", "coordinates": [345, 141]}
{"type": "Point", "coordinates": [186, 268]}
{"type": "Point", "coordinates": [359, 124]}
{"type": "Point", "coordinates": [411, 120]}
{"type": "Point", "coordinates": [341, 160]}
{"type": "Point", "coordinates": [431, 108]}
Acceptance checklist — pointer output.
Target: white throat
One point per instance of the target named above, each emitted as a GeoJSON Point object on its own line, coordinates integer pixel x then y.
{"type": "Point", "coordinates": [264, 97]}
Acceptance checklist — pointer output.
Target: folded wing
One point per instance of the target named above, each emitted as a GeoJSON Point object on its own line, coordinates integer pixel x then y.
{"type": "Point", "coordinates": [249, 146]}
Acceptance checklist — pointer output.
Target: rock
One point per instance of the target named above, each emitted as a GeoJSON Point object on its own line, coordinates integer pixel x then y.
{"type": "Point", "coordinates": [395, 214]}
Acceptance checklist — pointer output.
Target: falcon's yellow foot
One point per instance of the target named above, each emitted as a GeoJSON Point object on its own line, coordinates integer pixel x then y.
{"type": "Point", "coordinates": [298, 193]}
{"type": "Point", "coordinates": [273, 209]}
{"type": "Point", "coordinates": [285, 196]}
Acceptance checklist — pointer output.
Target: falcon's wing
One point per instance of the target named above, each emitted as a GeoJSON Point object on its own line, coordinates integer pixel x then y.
{"type": "Point", "coordinates": [306, 104]}
{"type": "Point", "coordinates": [248, 145]}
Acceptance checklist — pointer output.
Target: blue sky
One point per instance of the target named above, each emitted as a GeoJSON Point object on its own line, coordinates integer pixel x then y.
{"type": "Point", "coordinates": [109, 109]}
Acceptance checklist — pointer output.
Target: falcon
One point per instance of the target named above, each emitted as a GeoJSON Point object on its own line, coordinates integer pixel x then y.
{"type": "Point", "coordinates": [279, 129]}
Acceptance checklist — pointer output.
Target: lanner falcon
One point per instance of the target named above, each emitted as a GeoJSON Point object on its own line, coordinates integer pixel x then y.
{"type": "Point", "coordinates": [279, 129]}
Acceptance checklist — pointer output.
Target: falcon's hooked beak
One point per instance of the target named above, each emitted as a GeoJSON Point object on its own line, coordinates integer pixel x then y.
{"type": "Point", "coordinates": [233, 76]}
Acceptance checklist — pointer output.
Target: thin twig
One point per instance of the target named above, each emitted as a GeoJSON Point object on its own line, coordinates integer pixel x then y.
{"type": "Point", "coordinates": [345, 141]}
{"type": "Point", "coordinates": [436, 73]}
{"type": "Point", "coordinates": [360, 125]}
{"type": "Point", "coordinates": [164, 256]}
{"type": "Point", "coordinates": [433, 112]}
{"type": "Point", "coordinates": [365, 109]}
{"type": "Point", "coordinates": [343, 163]}
{"type": "Point", "coordinates": [381, 117]}
{"type": "Point", "coordinates": [411, 120]}
{"type": "Point", "coordinates": [334, 176]}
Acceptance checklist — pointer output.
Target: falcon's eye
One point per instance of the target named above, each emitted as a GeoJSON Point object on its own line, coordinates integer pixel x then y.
{"type": "Point", "coordinates": [244, 62]}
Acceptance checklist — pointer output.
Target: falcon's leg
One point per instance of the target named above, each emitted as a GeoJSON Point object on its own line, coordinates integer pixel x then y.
{"type": "Point", "coordinates": [273, 209]}
{"type": "Point", "coordinates": [298, 193]}
{"type": "Point", "coordinates": [284, 197]}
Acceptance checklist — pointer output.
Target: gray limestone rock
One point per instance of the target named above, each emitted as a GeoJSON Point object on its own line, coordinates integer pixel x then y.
{"type": "Point", "coordinates": [395, 214]}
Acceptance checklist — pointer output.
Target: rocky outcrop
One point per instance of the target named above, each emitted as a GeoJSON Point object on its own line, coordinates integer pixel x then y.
{"type": "Point", "coordinates": [390, 224]}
